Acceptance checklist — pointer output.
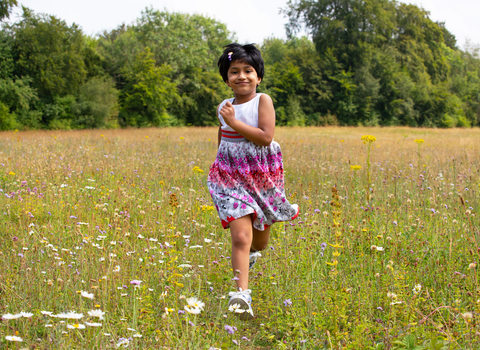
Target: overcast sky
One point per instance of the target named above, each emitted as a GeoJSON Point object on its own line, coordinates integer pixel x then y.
{"type": "Point", "coordinates": [251, 20]}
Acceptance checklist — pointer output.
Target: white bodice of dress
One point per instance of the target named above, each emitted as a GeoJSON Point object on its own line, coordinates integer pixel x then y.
{"type": "Point", "coordinates": [246, 112]}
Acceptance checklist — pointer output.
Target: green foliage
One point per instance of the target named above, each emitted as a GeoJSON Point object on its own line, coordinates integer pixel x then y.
{"type": "Point", "coordinates": [96, 106]}
{"type": "Point", "coordinates": [6, 7]}
{"type": "Point", "coordinates": [148, 93]}
{"type": "Point", "coordinates": [7, 120]}
{"type": "Point", "coordinates": [189, 46]}
{"type": "Point", "coordinates": [385, 63]}
{"type": "Point", "coordinates": [49, 51]}
{"type": "Point", "coordinates": [368, 62]}
{"type": "Point", "coordinates": [408, 343]}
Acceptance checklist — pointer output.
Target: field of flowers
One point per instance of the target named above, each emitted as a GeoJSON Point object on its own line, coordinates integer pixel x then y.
{"type": "Point", "coordinates": [109, 239]}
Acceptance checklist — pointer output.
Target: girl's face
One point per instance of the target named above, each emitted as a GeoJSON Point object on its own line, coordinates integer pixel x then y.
{"type": "Point", "coordinates": [242, 78]}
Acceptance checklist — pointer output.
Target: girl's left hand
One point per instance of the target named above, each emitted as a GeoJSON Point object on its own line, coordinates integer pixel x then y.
{"type": "Point", "coordinates": [228, 114]}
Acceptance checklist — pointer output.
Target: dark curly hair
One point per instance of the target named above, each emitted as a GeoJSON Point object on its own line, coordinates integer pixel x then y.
{"type": "Point", "coordinates": [245, 53]}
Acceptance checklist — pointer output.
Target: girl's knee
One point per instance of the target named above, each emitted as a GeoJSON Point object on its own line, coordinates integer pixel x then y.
{"type": "Point", "coordinates": [241, 239]}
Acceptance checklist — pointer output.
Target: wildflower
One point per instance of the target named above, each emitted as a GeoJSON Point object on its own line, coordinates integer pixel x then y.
{"type": "Point", "coordinates": [416, 289]}
{"type": "Point", "coordinates": [355, 167]}
{"type": "Point", "coordinates": [194, 302]}
{"type": "Point", "coordinates": [368, 138]}
{"type": "Point", "coordinates": [86, 295]}
{"type": "Point", "coordinates": [230, 329]}
{"type": "Point", "coordinates": [467, 315]}
{"type": "Point", "coordinates": [472, 266]}
{"type": "Point", "coordinates": [419, 141]}
{"type": "Point", "coordinates": [135, 283]}
{"type": "Point", "coordinates": [11, 317]}
{"type": "Point", "coordinates": [69, 315]}
{"type": "Point", "coordinates": [287, 302]}
{"type": "Point", "coordinates": [76, 326]}
{"type": "Point", "coordinates": [197, 170]}
{"type": "Point", "coordinates": [116, 268]}
{"type": "Point", "coordinates": [13, 338]}
{"type": "Point", "coordinates": [168, 311]}
{"type": "Point", "coordinates": [46, 313]}
{"type": "Point", "coordinates": [123, 342]}
{"type": "Point", "coordinates": [235, 308]}
{"type": "Point", "coordinates": [192, 310]}
{"type": "Point", "coordinates": [26, 314]}
{"type": "Point", "coordinates": [96, 313]}
{"type": "Point", "coordinates": [137, 335]}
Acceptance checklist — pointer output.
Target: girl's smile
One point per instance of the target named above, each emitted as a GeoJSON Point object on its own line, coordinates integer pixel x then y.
{"type": "Point", "coordinates": [243, 79]}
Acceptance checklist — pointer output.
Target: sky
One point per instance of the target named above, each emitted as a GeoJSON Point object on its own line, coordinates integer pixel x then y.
{"type": "Point", "coordinates": [251, 20]}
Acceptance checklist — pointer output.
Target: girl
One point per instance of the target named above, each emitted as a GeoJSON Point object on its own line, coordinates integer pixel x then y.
{"type": "Point", "coordinates": [246, 179]}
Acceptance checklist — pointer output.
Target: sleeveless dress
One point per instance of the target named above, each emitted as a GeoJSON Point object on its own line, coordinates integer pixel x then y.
{"type": "Point", "coordinates": [246, 178]}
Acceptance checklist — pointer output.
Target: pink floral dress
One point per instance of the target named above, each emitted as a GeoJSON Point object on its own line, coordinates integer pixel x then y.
{"type": "Point", "coordinates": [246, 178]}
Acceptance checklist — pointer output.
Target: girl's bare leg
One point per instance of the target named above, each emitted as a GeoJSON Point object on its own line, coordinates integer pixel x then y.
{"type": "Point", "coordinates": [260, 239]}
{"type": "Point", "coordinates": [242, 235]}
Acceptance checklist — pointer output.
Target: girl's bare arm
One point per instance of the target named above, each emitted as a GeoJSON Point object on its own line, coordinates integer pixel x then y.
{"type": "Point", "coordinates": [263, 135]}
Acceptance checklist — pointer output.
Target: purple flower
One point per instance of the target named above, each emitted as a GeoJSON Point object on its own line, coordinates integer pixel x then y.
{"type": "Point", "coordinates": [181, 312]}
{"type": "Point", "coordinates": [395, 223]}
{"type": "Point", "coordinates": [20, 255]}
{"type": "Point", "coordinates": [235, 342]}
{"type": "Point", "coordinates": [135, 282]}
{"type": "Point", "coordinates": [323, 245]}
{"type": "Point", "coordinates": [245, 338]}
{"type": "Point", "coordinates": [73, 217]}
{"type": "Point", "coordinates": [287, 302]}
{"type": "Point", "coordinates": [15, 238]}
{"type": "Point", "coordinates": [230, 329]}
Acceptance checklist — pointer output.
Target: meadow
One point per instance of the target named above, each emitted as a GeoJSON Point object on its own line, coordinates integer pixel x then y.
{"type": "Point", "coordinates": [109, 239]}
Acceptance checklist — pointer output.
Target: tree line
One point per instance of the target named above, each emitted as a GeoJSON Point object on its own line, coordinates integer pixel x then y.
{"type": "Point", "coordinates": [366, 62]}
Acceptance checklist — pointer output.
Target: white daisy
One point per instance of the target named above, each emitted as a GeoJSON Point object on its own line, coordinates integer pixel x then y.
{"type": "Point", "coordinates": [93, 324]}
{"type": "Point", "coordinates": [86, 294]}
{"type": "Point", "coordinates": [192, 310]}
{"type": "Point", "coordinates": [194, 302]}
{"type": "Point", "coordinates": [75, 326]}
{"type": "Point", "coordinates": [96, 313]}
{"type": "Point", "coordinates": [13, 338]}
{"type": "Point", "coordinates": [70, 315]}
{"type": "Point", "coordinates": [11, 317]}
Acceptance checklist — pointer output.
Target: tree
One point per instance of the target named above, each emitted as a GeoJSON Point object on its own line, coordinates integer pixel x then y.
{"type": "Point", "coordinates": [49, 51]}
{"type": "Point", "coordinates": [188, 44]}
{"type": "Point", "coordinates": [5, 8]}
{"type": "Point", "coordinates": [148, 94]}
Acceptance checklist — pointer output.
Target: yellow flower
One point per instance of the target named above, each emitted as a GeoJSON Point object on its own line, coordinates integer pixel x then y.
{"type": "Point", "coordinates": [11, 173]}
{"type": "Point", "coordinates": [181, 138]}
{"type": "Point", "coordinates": [197, 170]}
{"type": "Point", "coordinates": [419, 141]}
{"type": "Point", "coordinates": [355, 167]}
{"type": "Point", "coordinates": [368, 138]}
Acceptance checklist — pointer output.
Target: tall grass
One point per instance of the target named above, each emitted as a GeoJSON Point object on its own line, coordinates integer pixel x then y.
{"type": "Point", "coordinates": [99, 211]}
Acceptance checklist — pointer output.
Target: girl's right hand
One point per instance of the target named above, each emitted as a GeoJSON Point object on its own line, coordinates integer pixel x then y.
{"type": "Point", "coordinates": [228, 114]}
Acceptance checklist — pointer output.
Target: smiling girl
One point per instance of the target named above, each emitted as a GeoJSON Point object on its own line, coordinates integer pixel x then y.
{"type": "Point", "coordinates": [246, 180]}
